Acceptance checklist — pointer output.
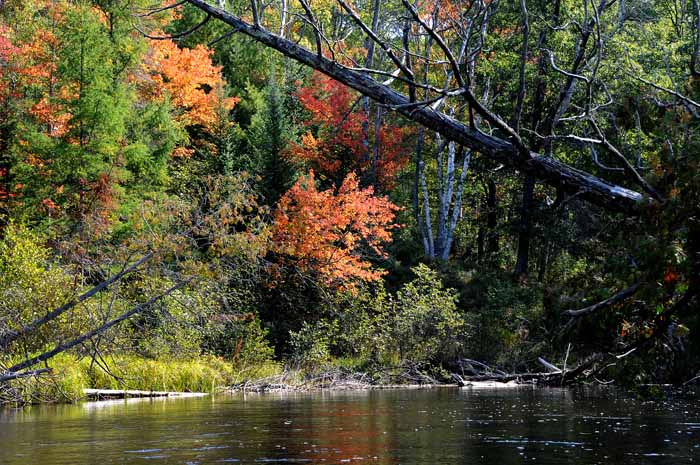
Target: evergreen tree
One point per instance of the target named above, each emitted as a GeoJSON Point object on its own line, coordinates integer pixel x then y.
{"type": "Point", "coordinates": [271, 134]}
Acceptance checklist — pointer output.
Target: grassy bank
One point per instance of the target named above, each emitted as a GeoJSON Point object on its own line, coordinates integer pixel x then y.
{"type": "Point", "coordinates": [72, 374]}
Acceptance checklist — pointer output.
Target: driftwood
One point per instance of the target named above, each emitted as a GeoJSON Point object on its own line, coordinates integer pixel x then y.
{"type": "Point", "coordinates": [130, 393]}
{"type": "Point", "coordinates": [550, 367]}
{"type": "Point", "coordinates": [556, 377]}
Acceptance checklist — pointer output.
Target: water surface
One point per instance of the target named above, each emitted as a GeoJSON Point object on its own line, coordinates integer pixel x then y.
{"type": "Point", "coordinates": [439, 426]}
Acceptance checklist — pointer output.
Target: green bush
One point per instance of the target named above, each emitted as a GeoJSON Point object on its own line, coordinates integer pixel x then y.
{"type": "Point", "coordinates": [420, 323]}
{"type": "Point", "coordinates": [311, 345]}
{"type": "Point", "coordinates": [31, 284]}
{"type": "Point", "coordinates": [426, 325]}
{"type": "Point", "coordinates": [253, 348]}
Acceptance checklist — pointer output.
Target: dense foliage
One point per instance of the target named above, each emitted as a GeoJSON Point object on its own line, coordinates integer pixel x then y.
{"type": "Point", "coordinates": [290, 218]}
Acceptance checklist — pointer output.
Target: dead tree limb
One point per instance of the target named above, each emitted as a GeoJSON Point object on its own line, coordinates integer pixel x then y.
{"type": "Point", "coordinates": [11, 336]}
{"type": "Point", "coordinates": [24, 374]}
{"type": "Point", "coordinates": [679, 96]}
{"type": "Point", "coordinates": [178, 35]}
{"type": "Point", "coordinates": [612, 300]}
{"type": "Point", "coordinates": [580, 372]}
{"type": "Point", "coordinates": [79, 340]}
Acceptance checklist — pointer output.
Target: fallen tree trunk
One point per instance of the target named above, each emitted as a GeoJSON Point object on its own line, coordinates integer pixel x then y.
{"type": "Point", "coordinates": [579, 373]}
{"type": "Point", "coordinates": [547, 169]}
{"type": "Point", "coordinates": [79, 340]}
{"type": "Point", "coordinates": [11, 336]}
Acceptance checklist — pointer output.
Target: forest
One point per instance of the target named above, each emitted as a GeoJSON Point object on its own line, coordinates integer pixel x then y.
{"type": "Point", "coordinates": [199, 194]}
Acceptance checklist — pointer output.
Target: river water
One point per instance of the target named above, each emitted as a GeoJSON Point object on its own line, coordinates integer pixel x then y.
{"type": "Point", "coordinates": [438, 426]}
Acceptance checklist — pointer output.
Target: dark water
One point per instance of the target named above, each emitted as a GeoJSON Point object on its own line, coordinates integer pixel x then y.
{"type": "Point", "coordinates": [440, 426]}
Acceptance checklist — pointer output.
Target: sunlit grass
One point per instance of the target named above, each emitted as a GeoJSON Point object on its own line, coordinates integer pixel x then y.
{"type": "Point", "coordinates": [71, 375]}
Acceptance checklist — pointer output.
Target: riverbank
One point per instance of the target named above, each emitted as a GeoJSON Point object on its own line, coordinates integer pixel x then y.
{"type": "Point", "coordinates": [71, 379]}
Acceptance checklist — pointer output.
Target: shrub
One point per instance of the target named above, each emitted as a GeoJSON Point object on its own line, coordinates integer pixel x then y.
{"type": "Point", "coordinates": [30, 285]}
{"type": "Point", "coordinates": [420, 323]}
{"type": "Point", "coordinates": [426, 326]}
{"type": "Point", "coordinates": [311, 345]}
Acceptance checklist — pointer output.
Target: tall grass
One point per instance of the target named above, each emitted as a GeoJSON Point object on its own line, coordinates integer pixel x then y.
{"type": "Point", "coordinates": [72, 374]}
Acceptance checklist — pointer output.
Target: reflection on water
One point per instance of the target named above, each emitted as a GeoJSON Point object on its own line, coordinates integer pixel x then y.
{"type": "Point", "coordinates": [380, 427]}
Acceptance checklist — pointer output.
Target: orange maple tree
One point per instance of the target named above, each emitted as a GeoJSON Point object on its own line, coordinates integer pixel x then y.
{"type": "Point", "coordinates": [189, 78]}
{"type": "Point", "coordinates": [336, 146]}
{"type": "Point", "coordinates": [332, 233]}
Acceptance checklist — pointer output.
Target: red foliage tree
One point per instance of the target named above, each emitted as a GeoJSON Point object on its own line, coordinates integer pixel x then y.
{"type": "Point", "coordinates": [336, 147]}
{"type": "Point", "coordinates": [332, 233]}
{"type": "Point", "coordinates": [7, 66]}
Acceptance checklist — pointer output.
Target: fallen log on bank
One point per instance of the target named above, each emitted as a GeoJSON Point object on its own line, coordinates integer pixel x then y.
{"type": "Point", "coordinates": [99, 394]}
{"type": "Point", "coordinates": [555, 377]}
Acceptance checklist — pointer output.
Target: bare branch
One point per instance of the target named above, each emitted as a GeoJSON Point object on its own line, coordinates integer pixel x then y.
{"type": "Point", "coordinates": [594, 156]}
{"type": "Point", "coordinates": [629, 169]}
{"type": "Point", "coordinates": [614, 299]}
{"type": "Point", "coordinates": [314, 25]}
{"type": "Point", "coordinates": [11, 336]}
{"type": "Point", "coordinates": [679, 96]}
{"type": "Point", "coordinates": [9, 376]}
{"type": "Point", "coordinates": [471, 99]}
{"type": "Point", "coordinates": [563, 71]}
{"type": "Point", "coordinates": [523, 61]}
{"type": "Point", "coordinates": [390, 53]}
{"type": "Point", "coordinates": [164, 8]}
{"type": "Point", "coordinates": [256, 15]}
{"type": "Point", "coordinates": [79, 340]}
{"type": "Point", "coordinates": [179, 34]}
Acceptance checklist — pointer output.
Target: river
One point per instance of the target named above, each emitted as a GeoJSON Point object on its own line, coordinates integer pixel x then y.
{"type": "Point", "coordinates": [437, 426]}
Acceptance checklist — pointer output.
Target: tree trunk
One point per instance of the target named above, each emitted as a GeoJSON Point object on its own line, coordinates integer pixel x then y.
{"type": "Point", "coordinates": [492, 247]}
{"type": "Point", "coordinates": [525, 227]}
